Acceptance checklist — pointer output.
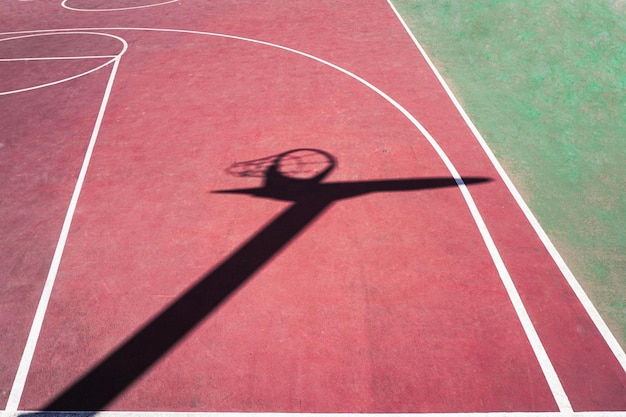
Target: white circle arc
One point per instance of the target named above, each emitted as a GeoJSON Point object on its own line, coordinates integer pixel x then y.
{"type": "Point", "coordinates": [549, 372]}
{"type": "Point", "coordinates": [110, 58]}
{"type": "Point", "coordinates": [117, 9]}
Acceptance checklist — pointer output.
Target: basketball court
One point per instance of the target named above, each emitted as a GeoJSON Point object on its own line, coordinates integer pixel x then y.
{"type": "Point", "coordinates": [268, 207]}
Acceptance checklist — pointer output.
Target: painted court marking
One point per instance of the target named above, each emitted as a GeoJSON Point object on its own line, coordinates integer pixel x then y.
{"type": "Point", "coordinates": [33, 336]}
{"type": "Point", "coordinates": [544, 361]}
{"type": "Point", "coordinates": [77, 9]}
{"type": "Point", "coordinates": [111, 58]}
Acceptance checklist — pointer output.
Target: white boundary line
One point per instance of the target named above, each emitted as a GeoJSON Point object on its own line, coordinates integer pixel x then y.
{"type": "Point", "coordinates": [567, 273]}
{"type": "Point", "coordinates": [65, 6]}
{"type": "Point", "coordinates": [27, 356]}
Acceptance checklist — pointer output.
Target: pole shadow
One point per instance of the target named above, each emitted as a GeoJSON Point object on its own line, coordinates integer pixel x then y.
{"type": "Point", "coordinates": [295, 176]}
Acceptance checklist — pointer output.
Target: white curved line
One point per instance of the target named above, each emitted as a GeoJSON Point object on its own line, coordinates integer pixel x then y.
{"type": "Point", "coordinates": [52, 32]}
{"type": "Point", "coordinates": [114, 57]}
{"type": "Point", "coordinates": [546, 366]}
{"type": "Point", "coordinates": [22, 90]}
{"type": "Point", "coordinates": [65, 6]}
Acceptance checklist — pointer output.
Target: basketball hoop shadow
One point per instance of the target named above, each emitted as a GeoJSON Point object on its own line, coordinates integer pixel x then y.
{"type": "Point", "coordinates": [295, 176]}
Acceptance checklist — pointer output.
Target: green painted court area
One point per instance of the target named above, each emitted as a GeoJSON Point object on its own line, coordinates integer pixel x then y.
{"type": "Point", "coordinates": [544, 83]}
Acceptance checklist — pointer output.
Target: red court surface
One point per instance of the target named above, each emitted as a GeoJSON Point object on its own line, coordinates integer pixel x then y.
{"type": "Point", "coordinates": [153, 161]}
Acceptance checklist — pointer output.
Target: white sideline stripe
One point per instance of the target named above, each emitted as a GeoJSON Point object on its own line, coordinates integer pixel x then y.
{"type": "Point", "coordinates": [65, 6]}
{"type": "Point", "coordinates": [54, 58]}
{"type": "Point", "coordinates": [29, 350]}
{"type": "Point", "coordinates": [616, 348]}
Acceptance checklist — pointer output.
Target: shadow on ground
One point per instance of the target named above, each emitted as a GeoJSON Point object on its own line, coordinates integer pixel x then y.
{"type": "Point", "coordinates": [294, 176]}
